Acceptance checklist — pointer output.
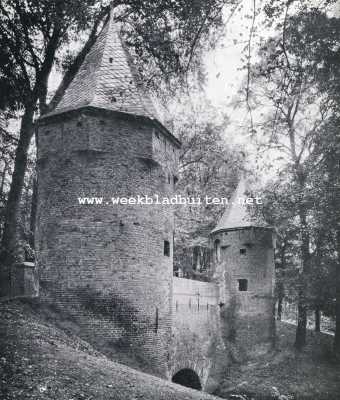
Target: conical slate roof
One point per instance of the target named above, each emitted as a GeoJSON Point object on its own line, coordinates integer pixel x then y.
{"type": "Point", "coordinates": [236, 214]}
{"type": "Point", "coordinates": [107, 79]}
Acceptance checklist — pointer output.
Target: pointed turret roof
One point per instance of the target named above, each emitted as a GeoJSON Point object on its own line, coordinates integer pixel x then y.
{"type": "Point", "coordinates": [107, 79]}
{"type": "Point", "coordinates": [236, 214]}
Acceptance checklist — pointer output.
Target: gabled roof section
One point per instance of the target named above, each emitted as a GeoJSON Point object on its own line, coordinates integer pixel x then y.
{"type": "Point", "coordinates": [236, 214]}
{"type": "Point", "coordinates": [107, 79]}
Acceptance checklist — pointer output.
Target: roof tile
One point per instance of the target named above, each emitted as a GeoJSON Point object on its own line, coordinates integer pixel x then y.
{"type": "Point", "coordinates": [107, 79]}
{"type": "Point", "coordinates": [236, 214]}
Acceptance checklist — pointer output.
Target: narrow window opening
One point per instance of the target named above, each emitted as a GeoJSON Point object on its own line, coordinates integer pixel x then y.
{"type": "Point", "coordinates": [243, 285]}
{"type": "Point", "coordinates": [156, 322]}
{"type": "Point", "coordinates": [167, 248]}
{"type": "Point", "coordinates": [111, 60]}
{"type": "Point", "coordinates": [169, 178]}
{"type": "Point", "coordinates": [243, 251]}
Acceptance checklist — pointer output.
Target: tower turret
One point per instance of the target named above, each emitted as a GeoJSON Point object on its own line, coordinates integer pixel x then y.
{"type": "Point", "coordinates": [244, 264]}
{"type": "Point", "coordinates": [113, 257]}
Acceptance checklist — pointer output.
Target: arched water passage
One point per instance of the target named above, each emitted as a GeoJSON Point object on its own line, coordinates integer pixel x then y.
{"type": "Point", "coordinates": [187, 377]}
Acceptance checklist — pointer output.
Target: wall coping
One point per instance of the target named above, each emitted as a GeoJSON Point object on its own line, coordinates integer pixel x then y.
{"type": "Point", "coordinates": [25, 264]}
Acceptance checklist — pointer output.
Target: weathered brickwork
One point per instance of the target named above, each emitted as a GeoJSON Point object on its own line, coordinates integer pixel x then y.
{"type": "Point", "coordinates": [115, 253]}
{"type": "Point", "coordinates": [113, 263]}
{"type": "Point", "coordinates": [196, 327]}
{"type": "Point", "coordinates": [109, 260]}
{"type": "Point", "coordinates": [24, 280]}
{"type": "Point", "coordinates": [244, 261]}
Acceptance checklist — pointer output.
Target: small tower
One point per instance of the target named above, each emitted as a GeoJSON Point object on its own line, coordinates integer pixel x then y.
{"type": "Point", "coordinates": [104, 141]}
{"type": "Point", "coordinates": [244, 265]}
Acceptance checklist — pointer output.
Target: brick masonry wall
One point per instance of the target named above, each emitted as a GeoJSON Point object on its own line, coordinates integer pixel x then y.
{"type": "Point", "coordinates": [107, 261]}
{"type": "Point", "coordinates": [196, 328]}
{"type": "Point", "coordinates": [247, 316]}
{"type": "Point", "coordinates": [108, 258]}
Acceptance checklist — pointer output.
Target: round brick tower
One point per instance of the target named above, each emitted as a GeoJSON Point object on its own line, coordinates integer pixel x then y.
{"type": "Point", "coordinates": [112, 260]}
{"type": "Point", "coordinates": [244, 265]}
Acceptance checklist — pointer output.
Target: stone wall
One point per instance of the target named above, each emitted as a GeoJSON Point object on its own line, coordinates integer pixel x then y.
{"type": "Point", "coordinates": [196, 328]}
{"type": "Point", "coordinates": [246, 257]}
{"type": "Point", "coordinates": [107, 258]}
{"type": "Point", "coordinates": [109, 261]}
{"type": "Point", "coordinates": [24, 280]}
{"type": "Point", "coordinates": [20, 280]}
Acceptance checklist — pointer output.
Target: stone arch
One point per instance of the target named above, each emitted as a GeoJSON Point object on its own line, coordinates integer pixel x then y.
{"type": "Point", "coordinates": [187, 377]}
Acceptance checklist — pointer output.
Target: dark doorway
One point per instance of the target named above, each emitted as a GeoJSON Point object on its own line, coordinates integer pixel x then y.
{"type": "Point", "coordinates": [187, 377]}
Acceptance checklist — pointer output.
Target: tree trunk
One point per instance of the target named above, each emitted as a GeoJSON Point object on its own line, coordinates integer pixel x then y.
{"type": "Point", "coordinates": [337, 304]}
{"type": "Point", "coordinates": [8, 242]}
{"type": "Point", "coordinates": [279, 308]}
{"type": "Point", "coordinates": [301, 330]}
{"type": "Point", "coordinates": [3, 178]}
{"type": "Point", "coordinates": [33, 212]}
{"type": "Point", "coordinates": [280, 297]}
{"type": "Point", "coordinates": [317, 314]}
{"type": "Point", "coordinates": [273, 328]}
{"type": "Point", "coordinates": [14, 196]}
{"type": "Point", "coordinates": [279, 282]}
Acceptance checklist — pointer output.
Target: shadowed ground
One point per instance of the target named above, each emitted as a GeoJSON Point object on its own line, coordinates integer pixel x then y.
{"type": "Point", "coordinates": [40, 361]}
{"type": "Point", "coordinates": [286, 375]}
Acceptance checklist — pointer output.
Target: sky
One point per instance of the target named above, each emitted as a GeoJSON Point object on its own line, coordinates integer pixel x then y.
{"type": "Point", "coordinates": [224, 78]}
{"type": "Point", "coordinates": [224, 62]}
{"type": "Point", "coordinates": [221, 63]}
{"type": "Point", "coordinates": [224, 75]}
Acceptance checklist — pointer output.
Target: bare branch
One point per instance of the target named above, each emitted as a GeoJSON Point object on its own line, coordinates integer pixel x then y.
{"type": "Point", "coordinates": [251, 33]}
{"type": "Point", "coordinates": [284, 33]}
{"type": "Point", "coordinates": [36, 60]}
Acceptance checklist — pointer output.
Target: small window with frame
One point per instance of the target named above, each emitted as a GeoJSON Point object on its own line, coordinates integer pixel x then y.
{"type": "Point", "coordinates": [166, 248]}
{"type": "Point", "coordinates": [243, 285]}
